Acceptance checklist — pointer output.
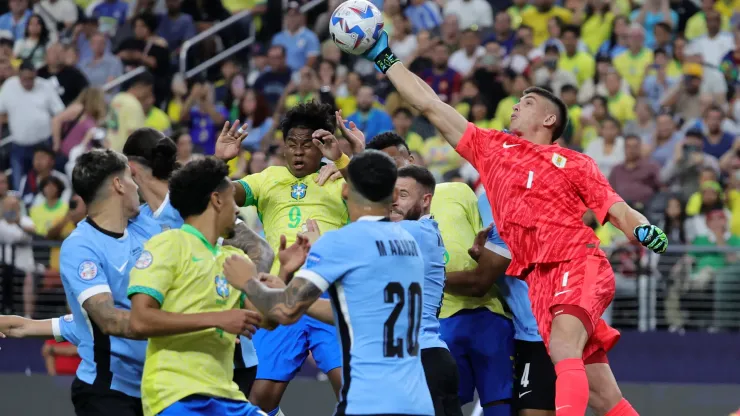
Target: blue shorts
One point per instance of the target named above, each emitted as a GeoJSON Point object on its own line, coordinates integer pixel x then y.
{"type": "Point", "coordinates": [207, 406]}
{"type": "Point", "coordinates": [282, 351]}
{"type": "Point", "coordinates": [482, 344]}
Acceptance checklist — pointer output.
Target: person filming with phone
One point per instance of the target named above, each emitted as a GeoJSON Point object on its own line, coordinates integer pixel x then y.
{"type": "Point", "coordinates": [682, 172]}
{"type": "Point", "coordinates": [16, 232]}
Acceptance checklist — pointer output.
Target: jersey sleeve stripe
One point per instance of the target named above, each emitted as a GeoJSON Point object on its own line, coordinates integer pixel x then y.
{"type": "Point", "coordinates": [314, 278]}
{"type": "Point", "coordinates": [56, 330]}
{"type": "Point", "coordinates": [92, 291]}
{"type": "Point", "coordinates": [604, 210]}
{"type": "Point", "coordinates": [157, 295]}
{"type": "Point", "coordinates": [249, 198]}
{"type": "Point", "coordinates": [501, 251]}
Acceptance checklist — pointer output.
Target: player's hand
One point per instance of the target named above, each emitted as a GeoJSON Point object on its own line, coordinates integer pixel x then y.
{"type": "Point", "coordinates": [273, 282]}
{"type": "Point", "coordinates": [327, 144]}
{"type": "Point", "coordinates": [238, 321]}
{"type": "Point", "coordinates": [480, 241]}
{"type": "Point", "coordinates": [292, 258]}
{"type": "Point", "coordinates": [230, 140]}
{"type": "Point", "coordinates": [12, 326]}
{"type": "Point", "coordinates": [651, 237]}
{"type": "Point", "coordinates": [238, 271]}
{"type": "Point", "coordinates": [380, 45]}
{"type": "Point", "coordinates": [311, 231]}
{"type": "Point", "coordinates": [354, 136]}
{"type": "Point", "coordinates": [328, 173]}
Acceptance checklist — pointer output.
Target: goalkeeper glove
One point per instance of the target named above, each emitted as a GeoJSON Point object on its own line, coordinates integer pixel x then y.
{"type": "Point", "coordinates": [381, 54]}
{"type": "Point", "coordinates": [651, 237]}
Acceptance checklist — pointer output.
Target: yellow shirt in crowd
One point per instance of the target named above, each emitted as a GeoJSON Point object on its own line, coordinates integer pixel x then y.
{"type": "Point", "coordinates": [125, 116]}
{"type": "Point", "coordinates": [158, 120]}
{"type": "Point", "coordinates": [622, 107]}
{"type": "Point", "coordinates": [582, 65]}
{"type": "Point", "coordinates": [632, 66]}
{"type": "Point", "coordinates": [537, 20]}
{"type": "Point", "coordinates": [697, 26]}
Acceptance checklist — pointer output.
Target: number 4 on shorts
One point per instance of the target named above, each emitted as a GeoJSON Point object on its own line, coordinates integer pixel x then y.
{"type": "Point", "coordinates": [525, 376]}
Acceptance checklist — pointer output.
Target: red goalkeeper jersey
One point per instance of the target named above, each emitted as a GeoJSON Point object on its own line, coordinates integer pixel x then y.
{"type": "Point", "coordinates": [538, 196]}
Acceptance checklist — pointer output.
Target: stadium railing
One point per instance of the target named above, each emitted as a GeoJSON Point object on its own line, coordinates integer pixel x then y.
{"type": "Point", "coordinates": [687, 288]}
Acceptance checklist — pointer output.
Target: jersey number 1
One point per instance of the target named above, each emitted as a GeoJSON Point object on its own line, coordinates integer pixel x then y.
{"type": "Point", "coordinates": [394, 293]}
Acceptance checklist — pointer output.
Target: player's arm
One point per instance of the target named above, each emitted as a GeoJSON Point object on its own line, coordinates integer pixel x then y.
{"type": "Point", "coordinates": [13, 326]}
{"type": "Point", "coordinates": [321, 310]}
{"type": "Point", "coordinates": [110, 320]}
{"type": "Point", "coordinates": [253, 245]}
{"type": "Point", "coordinates": [247, 189]}
{"type": "Point", "coordinates": [493, 259]}
{"type": "Point", "coordinates": [636, 227]}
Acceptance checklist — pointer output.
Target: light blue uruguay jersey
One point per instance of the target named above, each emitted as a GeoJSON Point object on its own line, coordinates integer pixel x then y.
{"type": "Point", "coordinates": [64, 329]}
{"type": "Point", "coordinates": [426, 233]}
{"type": "Point", "coordinates": [166, 215]}
{"type": "Point", "coordinates": [374, 273]}
{"type": "Point", "coordinates": [515, 291]}
{"type": "Point", "coordinates": [92, 262]}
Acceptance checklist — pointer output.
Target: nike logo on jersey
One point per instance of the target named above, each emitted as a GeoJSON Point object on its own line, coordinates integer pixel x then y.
{"type": "Point", "coordinates": [562, 293]}
{"type": "Point", "coordinates": [123, 266]}
{"type": "Point", "coordinates": [562, 407]}
{"type": "Point", "coordinates": [525, 393]}
{"type": "Point", "coordinates": [506, 145]}
{"type": "Point", "coordinates": [196, 259]}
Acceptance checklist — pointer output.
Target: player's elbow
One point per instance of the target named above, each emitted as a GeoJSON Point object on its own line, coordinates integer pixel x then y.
{"type": "Point", "coordinates": [286, 317]}
{"type": "Point", "coordinates": [480, 289]}
{"type": "Point", "coordinates": [138, 327]}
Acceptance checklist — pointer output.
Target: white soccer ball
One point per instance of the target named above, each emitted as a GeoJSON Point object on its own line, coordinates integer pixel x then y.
{"type": "Point", "coordinates": [355, 26]}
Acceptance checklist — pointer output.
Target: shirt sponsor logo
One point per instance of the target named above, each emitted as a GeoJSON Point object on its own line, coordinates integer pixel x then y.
{"type": "Point", "coordinates": [87, 270]}
{"type": "Point", "coordinates": [145, 260]}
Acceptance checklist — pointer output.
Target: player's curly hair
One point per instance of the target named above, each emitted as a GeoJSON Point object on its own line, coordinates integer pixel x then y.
{"type": "Point", "coordinates": [386, 140]}
{"type": "Point", "coordinates": [373, 175]}
{"type": "Point", "coordinates": [92, 169]}
{"type": "Point", "coordinates": [312, 115]}
{"type": "Point", "coordinates": [192, 185]}
{"type": "Point", "coordinates": [154, 150]}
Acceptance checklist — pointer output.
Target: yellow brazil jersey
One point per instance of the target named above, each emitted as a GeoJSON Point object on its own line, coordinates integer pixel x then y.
{"type": "Point", "coordinates": [45, 217]}
{"type": "Point", "coordinates": [285, 202]}
{"type": "Point", "coordinates": [455, 208]}
{"type": "Point", "coordinates": [516, 14]}
{"type": "Point", "coordinates": [727, 8]}
{"type": "Point", "coordinates": [158, 120]}
{"type": "Point", "coordinates": [589, 134]}
{"type": "Point", "coordinates": [184, 273]}
{"type": "Point", "coordinates": [582, 65]}
{"type": "Point", "coordinates": [622, 107]}
{"type": "Point", "coordinates": [125, 116]}
{"type": "Point", "coordinates": [504, 110]}
{"type": "Point", "coordinates": [596, 29]}
{"type": "Point", "coordinates": [414, 141]}
{"type": "Point", "coordinates": [538, 21]}
{"type": "Point", "coordinates": [574, 119]}
{"type": "Point", "coordinates": [697, 25]}
{"type": "Point", "coordinates": [632, 67]}
{"type": "Point", "coordinates": [294, 99]}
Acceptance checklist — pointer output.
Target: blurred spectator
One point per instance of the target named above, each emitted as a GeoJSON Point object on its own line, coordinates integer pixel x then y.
{"type": "Point", "coordinates": [58, 14]}
{"type": "Point", "coordinates": [621, 106]}
{"type": "Point", "coordinates": [205, 13]}
{"type": "Point", "coordinates": [258, 63]}
{"type": "Point", "coordinates": [516, 84]}
{"type": "Point", "coordinates": [717, 142]}
{"type": "Point", "coordinates": [184, 147]}
{"type": "Point", "coordinates": [697, 24]}
{"type": "Point", "coordinates": [449, 32]}
{"type": "Point", "coordinates": [538, 17]}
{"type": "Point", "coordinates": [111, 14]}
{"type": "Point", "coordinates": [53, 209]}
{"type": "Point", "coordinates": [86, 28]}
{"type": "Point", "coordinates": [730, 161]}
{"type": "Point", "coordinates": [637, 179]}
{"type": "Point", "coordinates": [126, 112]}
{"type": "Point", "coordinates": [713, 46]}
{"type": "Point", "coordinates": [67, 80]}
{"type": "Point", "coordinates": [644, 125]}
{"type": "Point", "coordinates": [633, 62]}
{"type": "Point", "coordinates": [651, 13]}
{"type": "Point", "coordinates": [155, 117]}
{"type": "Point", "coordinates": [178, 94]}
{"type": "Point", "coordinates": [16, 19]}
{"type": "Point", "coordinates": [463, 60]}
{"type": "Point", "coordinates": [33, 44]}
{"type": "Point", "coordinates": [371, 121]}
{"type": "Point", "coordinates": [31, 190]}
{"type": "Point", "coordinates": [471, 13]}
{"type": "Point", "coordinates": [255, 113]}
{"type": "Point", "coordinates": [70, 126]}
{"type": "Point", "coordinates": [102, 67]}
{"type": "Point", "coordinates": [681, 173]}
{"type": "Point", "coordinates": [591, 118]}
{"type": "Point", "coordinates": [515, 11]}
{"type": "Point", "coordinates": [15, 231]}
{"type": "Point", "coordinates": [683, 98]}
{"type": "Point", "coordinates": [657, 82]}
{"type": "Point", "coordinates": [524, 52]}
{"type": "Point", "coordinates": [203, 117]}
{"type": "Point", "coordinates": [608, 149]}
{"type": "Point", "coordinates": [694, 203]}
{"type": "Point", "coordinates": [580, 63]}
{"type": "Point", "coordinates": [6, 68]}
{"type": "Point", "coordinates": [175, 27]}
{"type": "Point", "coordinates": [231, 86]}
{"type": "Point", "coordinates": [147, 49]}
{"type": "Point", "coordinates": [30, 103]}
{"type": "Point", "coordinates": [272, 82]}
{"type": "Point", "coordinates": [424, 15]}
{"type": "Point", "coordinates": [663, 37]}
{"type": "Point", "coordinates": [300, 44]}
{"type": "Point", "coordinates": [731, 61]}
{"type": "Point", "coordinates": [60, 357]}
{"type": "Point", "coordinates": [304, 88]}
{"type": "Point", "coordinates": [685, 9]}
{"type": "Point", "coordinates": [403, 41]}
{"type": "Point", "coordinates": [503, 32]}
{"type": "Point", "coordinates": [402, 120]}
{"type": "Point", "coordinates": [445, 81]}
{"type": "Point", "coordinates": [619, 39]}
{"type": "Point", "coordinates": [663, 144]}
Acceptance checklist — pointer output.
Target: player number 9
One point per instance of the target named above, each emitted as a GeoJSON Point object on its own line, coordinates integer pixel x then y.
{"type": "Point", "coordinates": [294, 217]}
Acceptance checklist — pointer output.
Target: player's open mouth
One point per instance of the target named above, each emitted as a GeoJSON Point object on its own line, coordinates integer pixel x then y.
{"type": "Point", "coordinates": [298, 164]}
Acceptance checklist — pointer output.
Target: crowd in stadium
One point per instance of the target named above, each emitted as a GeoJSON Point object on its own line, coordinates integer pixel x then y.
{"type": "Point", "coordinates": [650, 88]}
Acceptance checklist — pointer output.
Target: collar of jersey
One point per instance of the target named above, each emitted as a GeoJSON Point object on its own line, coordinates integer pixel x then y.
{"type": "Point", "coordinates": [428, 216]}
{"type": "Point", "coordinates": [371, 218]}
{"type": "Point", "coordinates": [194, 231]}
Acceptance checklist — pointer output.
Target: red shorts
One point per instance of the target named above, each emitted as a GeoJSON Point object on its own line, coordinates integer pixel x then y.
{"type": "Point", "coordinates": [582, 287]}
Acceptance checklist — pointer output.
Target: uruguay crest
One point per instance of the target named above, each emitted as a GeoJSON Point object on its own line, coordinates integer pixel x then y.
{"type": "Point", "coordinates": [222, 287]}
{"type": "Point", "coordinates": [558, 160]}
{"type": "Point", "coordinates": [298, 191]}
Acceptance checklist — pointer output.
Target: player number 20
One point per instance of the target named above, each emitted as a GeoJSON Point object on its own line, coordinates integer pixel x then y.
{"type": "Point", "coordinates": [294, 217]}
{"type": "Point", "coordinates": [392, 345]}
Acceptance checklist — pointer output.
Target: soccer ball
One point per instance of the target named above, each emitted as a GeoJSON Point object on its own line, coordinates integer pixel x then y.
{"type": "Point", "coordinates": [355, 26]}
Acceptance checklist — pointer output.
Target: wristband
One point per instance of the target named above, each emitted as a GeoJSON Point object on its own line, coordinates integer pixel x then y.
{"type": "Point", "coordinates": [385, 60]}
{"type": "Point", "coordinates": [342, 162]}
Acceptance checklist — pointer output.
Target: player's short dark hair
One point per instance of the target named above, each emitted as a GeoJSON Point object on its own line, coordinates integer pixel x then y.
{"type": "Point", "coordinates": [51, 179]}
{"type": "Point", "coordinates": [192, 185]}
{"type": "Point", "coordinates": [373, 175]}
{"type": "Point", "coordinates": [92, 169]}
{"type": "Point", "coordinates": [311, 115]}
{"type": "Point", "coordinates": [421, 175]}
{"type": "Point", "coordinates": [386, 140]}
{"type": "Point", "coordinates": [562, 110]}
{"type": "Point", "coordinates": [154, 150]}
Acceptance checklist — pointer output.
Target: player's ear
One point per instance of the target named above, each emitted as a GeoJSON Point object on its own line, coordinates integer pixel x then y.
{"type": "Point", "coordinates": [216, 201]}
{"type": "Point", "coordinates": [345, 191]}
{"type": "Point", "coordinates": [550, 121]}
{"type": "Point", "coordinates": [117, 184]}
{"type": "Point", "coordinates": [427, 200]}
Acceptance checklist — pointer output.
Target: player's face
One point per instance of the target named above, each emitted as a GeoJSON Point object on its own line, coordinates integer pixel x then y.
{"type": "Point", "coordinates": [530, 114]}
{"type": "Point", "coordinates": [411, 200]}
{"type": "Point", "coordinates": [227, 211]}
{"type": "Point", "coordinates": [400, 155]}
{"type": "Point", "coordinates": [129, 191]}
{"type": "Point", "coordinates": [302, 157]}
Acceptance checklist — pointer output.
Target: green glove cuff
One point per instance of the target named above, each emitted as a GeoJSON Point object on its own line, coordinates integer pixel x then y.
{"type": "Point", "coordinates": [385, 60]}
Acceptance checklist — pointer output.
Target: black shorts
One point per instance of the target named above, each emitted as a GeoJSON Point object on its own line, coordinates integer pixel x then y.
{"type": "Point", "coordinates": [443, 381]}
{"type": "Point", "coordinates": [244, 378]}
{"type": "Point", "coordinates": [534, 386]}
{"type": "Point", "coordinates": [93, 401]}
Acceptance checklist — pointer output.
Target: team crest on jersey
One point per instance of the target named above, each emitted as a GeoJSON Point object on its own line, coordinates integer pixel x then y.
{"type": "Point", "coordinates": [222, 287]}
{"type": "Point", "coordinates": [69, 318]}
{"type": "Point", "coordinates": [87, 270]}
{"type": "Point", "coordinates": [145, 260]}
{"type": "Point", "coordinates": [558, 160]}
{"type": "Point", "coordinates": [298, 191]}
